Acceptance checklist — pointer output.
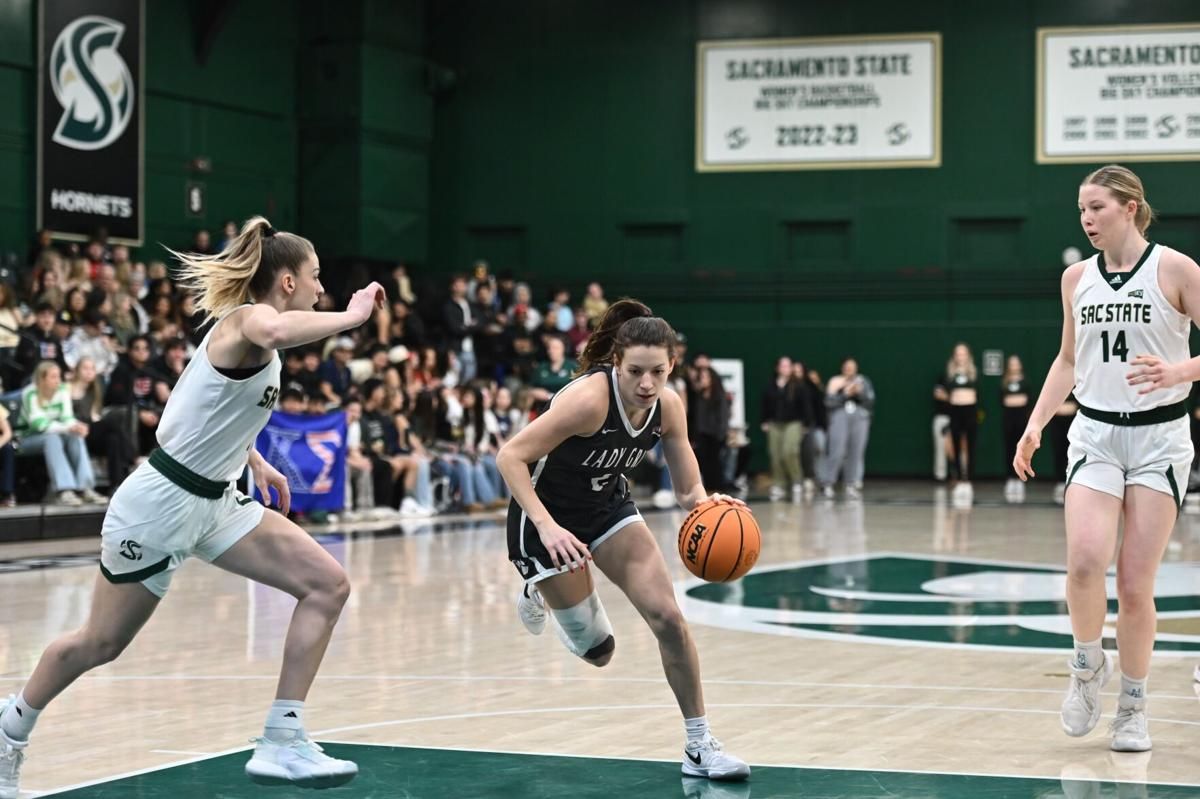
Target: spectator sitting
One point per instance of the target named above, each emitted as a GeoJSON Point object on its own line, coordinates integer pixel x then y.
{"type": "Point", "coordinates": [522, 296]}
{"type": "Point", "coordinates": [292, 402]}
{"type": "Point", "coordinates": [580, 332]}
{"type": "Point", "coordinates": [108, 436]}
{"type": "Point", "coordinates": [132, 386]}
{"type": "Point", "coordinates": [551, 374]}
{"type": "Point", "coordinates": [522, 347]}
{"type": "Point", "coordinates": [48, 425]}
{"type": "Point", "coordinates": [560, 311]}
{"type": "Point", "coordinates": [407, 329]}
{"type": "Point", "coordinates": [92, 339]}
{"type": "Point", "coordinates": [335, 372]}
{"type": "Point", "coordinates": [594, 304]}
{"type": "Point", "coordinates": [40, 343]}
{"type": "Point", "coordinates": [292, 375]}
{"type": "Point", "coordinates": [360, 494]}
{"type": "Point", "coordinates": [318, 404]}
{"type": "Point", "coordinates": [169, 368]}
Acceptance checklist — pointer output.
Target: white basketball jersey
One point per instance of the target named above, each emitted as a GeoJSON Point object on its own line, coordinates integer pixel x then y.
{"type": "Point", "coordinates": [211, 421]}
{"type": "Point", "coordinates": [1118, 316]}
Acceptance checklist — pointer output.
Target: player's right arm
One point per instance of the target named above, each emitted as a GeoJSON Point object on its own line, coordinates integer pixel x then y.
{"type": "Point", "coordinates": [579, 411]}
{"type": "Point", "coordinates": [269, 329]}
{"type": "Point", "coordinates": [1060, 380]}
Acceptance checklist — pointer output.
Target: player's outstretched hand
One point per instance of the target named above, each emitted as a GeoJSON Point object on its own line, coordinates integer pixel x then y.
{"type": "Point", "coordinates": [564, 548]}
{"type": "Point", "coordinates": [1022, 462]}
{"type": "Point", "coordinates": [366, 300]}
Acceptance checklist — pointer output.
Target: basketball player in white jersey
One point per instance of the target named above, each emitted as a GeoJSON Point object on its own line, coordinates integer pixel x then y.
{"type": "Point", "coordinates": [1127, 312]}
{"type": "Point", "coordinates": [571, 505]}
{"type": "Point", "coordinates": [182, 501]}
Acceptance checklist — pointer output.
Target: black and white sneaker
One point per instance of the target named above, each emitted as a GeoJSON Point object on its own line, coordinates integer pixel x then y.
{"type": "Point", "coordinates": [706, 758]}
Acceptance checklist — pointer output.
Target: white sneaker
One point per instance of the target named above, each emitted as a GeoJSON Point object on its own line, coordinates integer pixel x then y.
{"type": "Point", "coordinates": [776, 494]}
{"type": "Point", "coordinates": [797, 493]}
{"type": "Point", "coordinates": [12, 755]}
{"type": "Point", "coordinates": [853, 492]}
{"type": "Point", "coordinates": [298, 762]}
{"type": "Point", "coordinates": [1128, 729]}
{"type": "Point", "coordinates": [707, 759]}
{"type": "Point", "coordinates": [69, 498]}
{"type": "Point", "coordinates": [664, 498]}
{"type": "Point", "coordinates": [827, 492]}
{"type": "Point", "coordinates": [810, 487]}
{"type": "Point", "coordinates": [410, 507]}
{"type": "Point", "coordinates": [531, 610]}
{"type": "Point", "coordinates": [1196, 673]}
{"type": "Point", "coordinates": [1081, 707]}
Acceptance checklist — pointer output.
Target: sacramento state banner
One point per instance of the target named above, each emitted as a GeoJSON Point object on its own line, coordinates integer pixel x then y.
{"type": "Point", "coordinates": [90, 118]}
{"type": "Point", "coordinates": [310, 451]}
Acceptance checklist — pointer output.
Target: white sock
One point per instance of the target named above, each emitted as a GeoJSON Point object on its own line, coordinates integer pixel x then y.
{"type": "Point", "coordinates": [285, 721]}
{"type": "Point", "coordinates": [1089, 655]}
{"type": "Point", "coordinates": [697, 729]}
{"type": "Point", "coordinates": [19, 720]}
{"type": "Point", "coordinates": [1133, 692]}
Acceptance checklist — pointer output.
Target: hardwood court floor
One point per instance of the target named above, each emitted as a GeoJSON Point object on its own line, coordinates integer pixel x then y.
{"type": "Point", "coordinates": [894, 635]}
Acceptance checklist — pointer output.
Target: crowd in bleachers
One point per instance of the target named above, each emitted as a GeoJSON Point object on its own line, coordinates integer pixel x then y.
{"type": "Point", "coordinates": [92, 342]}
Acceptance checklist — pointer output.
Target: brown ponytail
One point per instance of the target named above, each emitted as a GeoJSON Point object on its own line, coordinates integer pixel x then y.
{"type": "Point", "coordinates": [626, 323]}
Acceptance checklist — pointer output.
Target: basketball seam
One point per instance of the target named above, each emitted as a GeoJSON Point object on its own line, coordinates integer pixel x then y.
{"type": "Point", "coordinates": [741, 545]}
{"type": "Point", "coordinates": [712, 539]}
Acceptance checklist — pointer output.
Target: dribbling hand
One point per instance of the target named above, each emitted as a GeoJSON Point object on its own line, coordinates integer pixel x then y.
{"type": "Point", "coordinates": [367, 300]}
{"type": "Point", "coordinates": [564, 548]}
{"type": "Point", "coordinates": [720, 499]}
{"type": "Point", "coordinates": [1022, 462]}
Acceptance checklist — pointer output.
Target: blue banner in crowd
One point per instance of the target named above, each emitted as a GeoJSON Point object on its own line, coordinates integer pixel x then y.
{"type": "Point", "coordinates": [310, 451]}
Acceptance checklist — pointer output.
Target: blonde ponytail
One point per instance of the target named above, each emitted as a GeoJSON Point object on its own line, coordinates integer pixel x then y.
{"type": "Point", "coordinates": [244, 270]}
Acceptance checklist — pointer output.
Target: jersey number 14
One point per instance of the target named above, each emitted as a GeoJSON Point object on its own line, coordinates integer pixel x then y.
{"type": "Point", "coordinates": [1119, 348]}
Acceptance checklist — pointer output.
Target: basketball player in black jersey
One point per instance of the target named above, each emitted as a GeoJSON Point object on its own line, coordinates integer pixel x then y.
{"type": "Point", "coordinates": [571, 505]}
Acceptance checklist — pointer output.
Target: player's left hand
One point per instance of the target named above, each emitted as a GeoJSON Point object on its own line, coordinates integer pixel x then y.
{"type": "Point", "coordinates": [721, 499]}
{"type": "Point", "coordinates": [267, 477]}
{"type": "Point", "coordinates": [1154, 373]}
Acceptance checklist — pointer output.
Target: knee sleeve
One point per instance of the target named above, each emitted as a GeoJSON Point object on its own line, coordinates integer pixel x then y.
{"type": "Point", "coordinates": [585, 629]}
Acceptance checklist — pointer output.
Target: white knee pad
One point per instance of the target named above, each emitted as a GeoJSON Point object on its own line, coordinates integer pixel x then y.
{"type": "Point", "coordinates": [584, 629]}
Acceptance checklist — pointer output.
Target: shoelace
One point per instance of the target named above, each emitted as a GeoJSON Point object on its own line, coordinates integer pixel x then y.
{"type": "Point", "coordinates": [10, 761]}
{"type": "Point", "coordinates": [1078, 683]}
{"type": "Point", "coordinates": [1128, 719]}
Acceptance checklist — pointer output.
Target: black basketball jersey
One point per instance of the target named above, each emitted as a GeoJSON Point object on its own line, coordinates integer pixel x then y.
{"type": "Point", "coordinates": [589, 471]}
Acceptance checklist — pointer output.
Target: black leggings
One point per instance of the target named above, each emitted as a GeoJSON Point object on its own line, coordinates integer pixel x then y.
{"type": "Point", "coordinates": [964, 424]}
{"type": "Point", "coordinates": [1058, 428]}
{"type": "Point", "coordinates": [110, 438]}
{"type": "Point", "coordinates": [1015, 420]}
{"type": "Point", "coordinates": [708, 458]}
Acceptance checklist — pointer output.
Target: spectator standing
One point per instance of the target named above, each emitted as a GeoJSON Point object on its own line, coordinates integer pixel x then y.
{"type": "Point", "coordinates": [850, 400]}
{"type": "Point", "coordinates": [781, 415]}
{"type": "Point", "coordinates": [1014, 397]}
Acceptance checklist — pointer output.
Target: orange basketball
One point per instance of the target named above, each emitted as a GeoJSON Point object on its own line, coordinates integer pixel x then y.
{"type": "Point", "coordinates": [719, 542]}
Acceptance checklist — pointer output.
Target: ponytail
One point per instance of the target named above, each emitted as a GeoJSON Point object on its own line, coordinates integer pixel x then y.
{"type": "Point", "coordinates": [626, 323]}
{"type": "Point", "coordinates": [244, 270]}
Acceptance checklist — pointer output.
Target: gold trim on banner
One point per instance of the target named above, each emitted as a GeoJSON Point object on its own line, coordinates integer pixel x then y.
{"type": "Point", "coordinates": [1039, 151]}
{"type": "Point", "coordinates": [934, 37]}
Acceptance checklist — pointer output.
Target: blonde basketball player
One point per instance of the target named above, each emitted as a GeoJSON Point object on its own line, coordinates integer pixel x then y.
{"type": "Point", "coordinates": [571, 505]}
{"type": "Point", "coordinates": [181, 502]}
{"type": "Point", "coordinates": [1127, 312]}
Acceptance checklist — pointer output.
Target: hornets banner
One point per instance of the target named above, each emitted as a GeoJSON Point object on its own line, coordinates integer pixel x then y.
{"type": "Point", "coordinates": [90, 114]}
{"type": "Point", "coordinates": [310, 451]}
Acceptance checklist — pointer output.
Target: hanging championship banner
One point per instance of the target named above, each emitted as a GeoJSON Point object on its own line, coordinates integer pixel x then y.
{"type": "Point", "coordinates": [310, 451]}
{"type": "Point", "coordinates": [823, 103]}
{"type": "Point", "coordinates": [1127, 93]}
{"type": "Point", "coordinates": [90, 118]}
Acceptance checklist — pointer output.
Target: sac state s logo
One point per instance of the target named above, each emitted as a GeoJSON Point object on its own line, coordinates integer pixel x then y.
{"type": "Point", "coordinates": [92, 83]}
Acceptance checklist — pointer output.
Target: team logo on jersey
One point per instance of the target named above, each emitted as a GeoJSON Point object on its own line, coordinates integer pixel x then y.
{"type": "Point", "coordinates": [1116, 280]}
{"type": "Point", "coordinates": [926, 600]}
{"type": "Point", "coordinates": [92, 83]}
{"type": "Point", "coordinates": [131, 550]}
{"type": "Point", "coordinates": [1136, 293]}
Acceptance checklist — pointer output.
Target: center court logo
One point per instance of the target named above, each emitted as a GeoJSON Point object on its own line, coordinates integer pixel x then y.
{"type": "Point", "coordinates": [930, 600]}
{"type": "Point", "coordinates": [92, 83]}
